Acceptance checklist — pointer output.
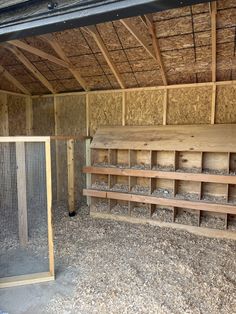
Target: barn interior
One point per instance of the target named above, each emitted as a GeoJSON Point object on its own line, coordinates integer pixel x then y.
{"type": "Point", "coordinates": [127, 112]}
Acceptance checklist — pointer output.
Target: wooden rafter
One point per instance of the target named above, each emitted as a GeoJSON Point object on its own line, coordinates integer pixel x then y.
{"type": "Point", "coordinates": [20, 44]}
{"type": "Point", "coordinates": [132, 29]}
{"type": "Point", "coordinates": [155, 55]}
{"type": "Point", "coordinates": [213, 38]}
{"type": "Point", "coordinates": [99, 41]}
{"type": "Point", "coordinates": [13, 80]}
{"type": "Point", "coordinates": [152, 30]}
{"type": "Point", "coordinates": [21, 57]}
{"type": "Point", "coordinates": [57, 48]}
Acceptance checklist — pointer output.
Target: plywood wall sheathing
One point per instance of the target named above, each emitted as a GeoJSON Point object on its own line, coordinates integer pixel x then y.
{"type": "Point", "coordinates": [189, 106]}
{"type": "Point", "coordinates": [105, 109]}
{"type": "Point", "coordinates": [226, 104]}
{"type": "Point", "coordinates": [144, 107]}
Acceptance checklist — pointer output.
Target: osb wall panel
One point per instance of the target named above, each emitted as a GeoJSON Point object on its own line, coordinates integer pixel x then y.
{"type": "Point", "coordinates": [43, 116]}
{"type": "Point", "coordinates": [71, 119]}
{"type": "Point", "coordinates": [189, 105]}
{"type": "Point", "coordinates": [226, 104]}
{"type": "Point", "coordinates": [16, 115]}
{"type": "Point", "coordinates": [105, 109]}
{"type": "Point", "coordinates": [144, 107]}
{"type": "Point", "coordinates": [71, 115]}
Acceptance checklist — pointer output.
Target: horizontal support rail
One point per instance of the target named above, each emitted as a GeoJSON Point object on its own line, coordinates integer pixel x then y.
{"type": "Point", "coordinates": [197, 205]}
{"type": "Point", "coordinates": [31, 139]}
{"type": "Point", "coordinates": [199, 177]}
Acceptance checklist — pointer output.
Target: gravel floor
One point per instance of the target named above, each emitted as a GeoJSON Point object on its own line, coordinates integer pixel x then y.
{"type": "Point", "coordinates": [115, 267]}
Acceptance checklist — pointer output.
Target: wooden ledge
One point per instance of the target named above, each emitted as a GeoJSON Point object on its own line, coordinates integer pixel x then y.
{"type": "Point", "coordinates": [197, 205]}
{"type": "Point", "coordinates": [199, 177]}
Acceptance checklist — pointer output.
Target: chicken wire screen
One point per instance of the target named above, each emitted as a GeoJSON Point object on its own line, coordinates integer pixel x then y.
{"type": "Point", "coordinates": [23, 209]}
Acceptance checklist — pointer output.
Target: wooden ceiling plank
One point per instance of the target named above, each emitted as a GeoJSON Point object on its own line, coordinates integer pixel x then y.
{"type": "Point", "coordinates": [155, 43]}
{"type": "Point", "coordinates": [99, 41]}
{"type": "Point", "coordinates": [13, 80]}
{"type": "Point", "coordinates": [213, 38]}
{"type": "Point", "coordinates": [21, 57]}
{"type": "Point", "coordinates": [20, 44]}
{"type": "Point", "coordinates": [57, 48]}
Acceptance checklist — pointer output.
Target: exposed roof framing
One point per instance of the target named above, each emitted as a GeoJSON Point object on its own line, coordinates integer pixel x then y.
{"type": "Point", "coordinates": [98, 39]}
{"type": "Point", "coordinates": [189, 41]}
{"type": "Point", "coordinates": [13, 80]}
{"type": "Point", "coordinates": [35, 18]}
{"type": "Point", "coordinates": [213, 38]}
{"type": "Point", "coordinates": [152, 30]}
{"type": "Point", "coordinates": [20, 44]}
{"type": "Point", "coordinates": [21, 57]}
{"type": "Point", "coordinates": [57, 48]}
{"type": "Point", "coordinates": [155, 55]}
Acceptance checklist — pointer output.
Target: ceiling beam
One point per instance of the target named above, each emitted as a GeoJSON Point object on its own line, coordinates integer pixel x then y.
{"type": "Point", "coordinates": [21, 57]}
{"type": "Point", "coordinates": [57, 48]}
{"type": "Point", "coordinates": [213, 38]}
{"type": "Point", "coordinates": [20, 44]}
{"type": "Point", "coordinates": [13, 80]}
{"type": "Point", "coordinates": [155, 43]}
{"type": "Point", "coordinates": [99, 41]}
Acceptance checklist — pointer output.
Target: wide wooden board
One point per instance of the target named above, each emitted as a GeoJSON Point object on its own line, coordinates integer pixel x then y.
{"type": "Point", "coordinates": [202, 138]}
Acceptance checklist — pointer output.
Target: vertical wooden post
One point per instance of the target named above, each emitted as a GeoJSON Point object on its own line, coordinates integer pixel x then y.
{"type": "Point", "coordinates": [213, 38]}
{"type": "Point", "coordinates": [29, 116]}
{"type": "Point", "coordinates": [49, 205]}
{"type": "Point", "coordinates": [123, 108]}
{"type": "Point", "coordinates": [213, 104]}
{"type": "Point", "coordinates": [87, 115]}
{"type": "Point", "coordinates": [5, 150]}
{"type": "Point", "coordinates": [88, 163]}
{"type": "Point", "coordinates": [165, 103]}
{"type": "Point", "coordinates": [57, 148]}
{"type": "Point", "coordinates": [71, 176]}
{"type": "Point", "coordinates": [21, 193]}
{"type": "Point", "coordinates": [4, 124]}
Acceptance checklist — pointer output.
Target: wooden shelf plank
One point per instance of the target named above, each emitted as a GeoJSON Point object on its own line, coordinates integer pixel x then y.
{"type": "Point", "coordinates": [200, 177]}
{"type": "Point", "coordinates": [195, 138]}
{"type": "Point", "coordinates": [197, 205]}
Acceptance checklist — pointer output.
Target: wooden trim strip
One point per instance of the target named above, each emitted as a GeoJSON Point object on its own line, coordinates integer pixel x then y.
{"type": "Point", "coordinates": [213, 38]}
{"type": "Point", "coordinates": [15, 139]}
{"type": "Point", "coordinates": [134, 89]}
{"type": "Point", "coordinates": [197, 205]}
{"type": "Point", "coordinates": [199, 177]}
{"type": "Point", "coordinates": [200, 231]}
{"type": "Point", "coordinates": [15, 281]}
{"type": "Point", "coordinates": [13, 93]}
{"type": "Point", "coordinates": [49, 205]}
{"type": "Point", "coordinates": [67, 137]}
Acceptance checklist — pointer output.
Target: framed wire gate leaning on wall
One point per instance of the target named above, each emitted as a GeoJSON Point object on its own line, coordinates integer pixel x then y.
{"type": "Point", "coordinates": [26, 237]}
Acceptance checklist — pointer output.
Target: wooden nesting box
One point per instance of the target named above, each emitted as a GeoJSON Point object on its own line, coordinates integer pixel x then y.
{"type": "Point", "coordinates": [190, 168]}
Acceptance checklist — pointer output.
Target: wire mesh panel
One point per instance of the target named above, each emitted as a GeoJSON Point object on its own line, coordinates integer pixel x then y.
{"type": "Point", "coordinates": [25, 211]}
